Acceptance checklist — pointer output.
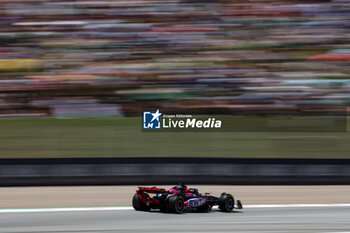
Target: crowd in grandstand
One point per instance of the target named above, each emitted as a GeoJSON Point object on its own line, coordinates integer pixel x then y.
{"type": "Point", "coordinates": [107, 58]}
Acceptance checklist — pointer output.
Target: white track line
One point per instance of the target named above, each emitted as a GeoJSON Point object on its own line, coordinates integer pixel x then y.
{"type": "Point", "coordinates": [295, 205]}
{"type": "Point", "coordinates": [70, 209]}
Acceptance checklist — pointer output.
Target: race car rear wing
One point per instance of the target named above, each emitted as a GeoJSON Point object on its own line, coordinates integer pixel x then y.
{"type": "Point", "coordinates": [151, 190]}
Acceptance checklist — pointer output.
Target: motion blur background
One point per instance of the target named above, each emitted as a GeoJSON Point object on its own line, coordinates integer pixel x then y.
{"type": "Point", "coordinates": [74, 75]}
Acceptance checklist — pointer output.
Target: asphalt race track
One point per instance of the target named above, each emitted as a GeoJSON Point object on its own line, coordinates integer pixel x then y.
{"type": "Point", "coordinates": [287, 219]}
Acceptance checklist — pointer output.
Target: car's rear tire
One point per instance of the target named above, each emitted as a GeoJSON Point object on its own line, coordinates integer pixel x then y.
{"type": "Point", "coordinates": [176, 204]}
{"type": "Point", "coordinates": [137, 204]}
{"type": "Point", "coordinates": [226, 202]}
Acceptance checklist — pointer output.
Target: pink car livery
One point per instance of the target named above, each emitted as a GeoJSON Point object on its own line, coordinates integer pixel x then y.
{"type": "Point", "coordinates": [179, 198]}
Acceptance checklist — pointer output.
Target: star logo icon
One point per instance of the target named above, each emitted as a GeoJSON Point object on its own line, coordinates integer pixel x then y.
{"type": "Point", "coordinates": [156, 115]}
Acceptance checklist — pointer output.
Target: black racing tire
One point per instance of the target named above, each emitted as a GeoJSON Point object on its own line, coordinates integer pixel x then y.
{"type": "Point", "coordinates": [137, 204]}
{"type": "Point", "coordinates": [176, 204]}
{"type": "Point", "coordinates": [226, 202]}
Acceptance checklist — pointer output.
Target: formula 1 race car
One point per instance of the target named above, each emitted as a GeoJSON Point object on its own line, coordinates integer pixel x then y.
{"type": "Point", "coordinates": [178, 198]}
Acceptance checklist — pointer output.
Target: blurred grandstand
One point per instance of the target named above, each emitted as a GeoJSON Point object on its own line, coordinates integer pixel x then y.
{"type": "Point", "coordinates": [109, 58]}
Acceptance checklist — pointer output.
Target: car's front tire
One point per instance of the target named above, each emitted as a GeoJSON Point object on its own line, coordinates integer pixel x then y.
{"type": "Point", "coordinates": [226, 202]}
